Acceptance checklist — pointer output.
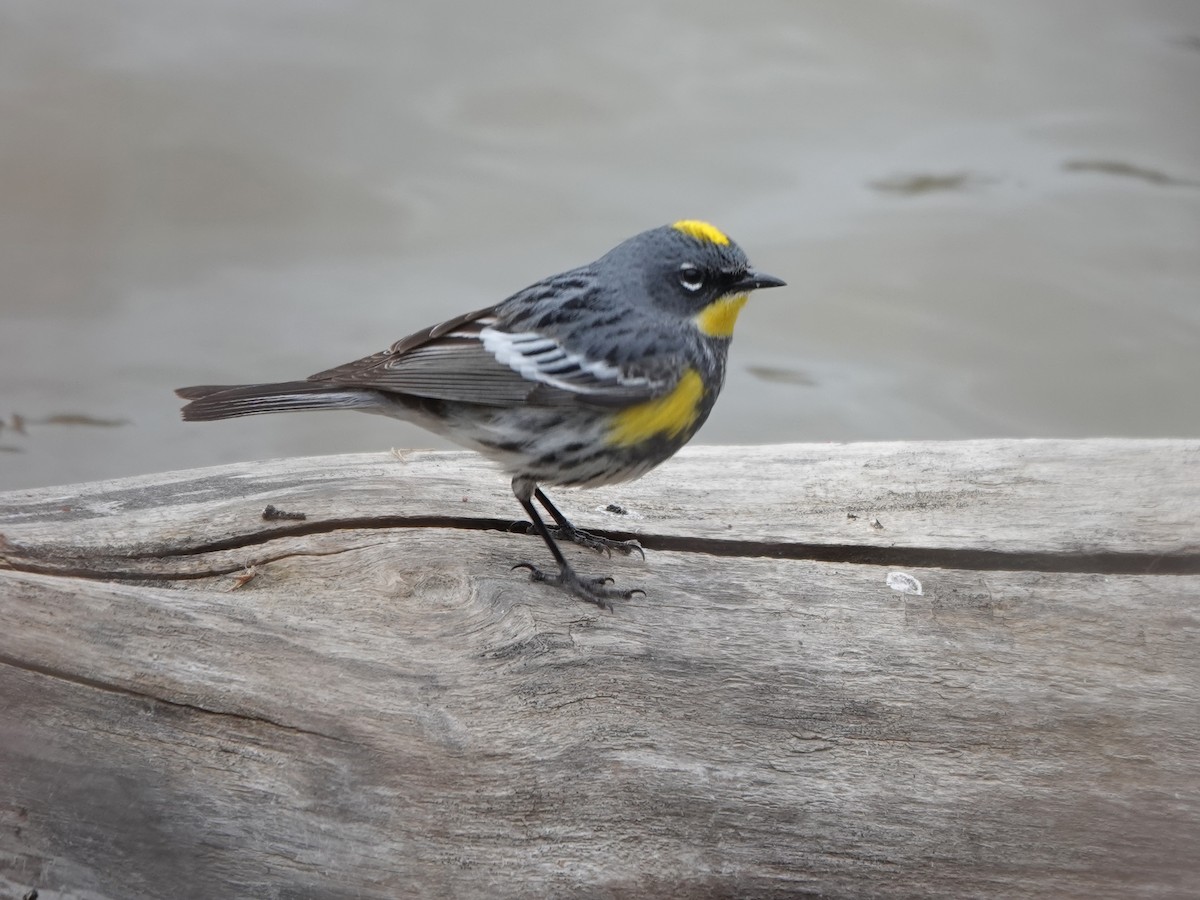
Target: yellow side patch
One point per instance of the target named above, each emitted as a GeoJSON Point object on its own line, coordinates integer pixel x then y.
{"type": "Point", "coordinates": [718, 318]}
{"type": "Point", "coordinates": [701, 231]}
{"type": "Point", "coordinates": [668, 416]}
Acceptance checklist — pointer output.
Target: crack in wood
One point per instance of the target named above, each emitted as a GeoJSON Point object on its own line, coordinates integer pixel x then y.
{"type": "Point", "coordinates": [107, 687]}
{"type": "Point", "coordinates": [1086, 563]}
{"type": "Point", "coordinates": [1111, 563]}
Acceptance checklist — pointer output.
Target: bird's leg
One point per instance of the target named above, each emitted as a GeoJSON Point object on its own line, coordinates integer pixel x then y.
{"type": "Point", "coordinates": [593, 590]}
{"type": "Point", "coordinates": [568, 532]}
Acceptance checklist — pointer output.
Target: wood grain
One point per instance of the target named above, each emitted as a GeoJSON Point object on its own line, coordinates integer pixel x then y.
{"type": "Point", "coordinates": [379, 708]}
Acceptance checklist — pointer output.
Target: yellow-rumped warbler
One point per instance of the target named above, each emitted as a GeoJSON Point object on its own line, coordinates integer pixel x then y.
{"type": "Point", "coordinates": [587, 378]}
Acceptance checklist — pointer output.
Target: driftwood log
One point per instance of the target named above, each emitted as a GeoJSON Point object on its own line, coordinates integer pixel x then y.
{"type": "Point", "coordinates": [197, 701]}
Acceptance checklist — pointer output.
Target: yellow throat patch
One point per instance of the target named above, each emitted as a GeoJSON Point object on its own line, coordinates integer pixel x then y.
{"type": "Point", "coordinates": [669, 416]}
{"type": "Point", "coordinates": [718, 318]}
{"type": "Point", "coordinates": [701, 231]}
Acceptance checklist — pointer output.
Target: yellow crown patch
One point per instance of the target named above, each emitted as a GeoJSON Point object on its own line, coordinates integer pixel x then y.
{"type": "Point", "coordinates": [701, 231]}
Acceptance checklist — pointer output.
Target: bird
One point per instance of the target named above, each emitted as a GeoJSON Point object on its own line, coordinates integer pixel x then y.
{"type": "Point", "coordinates": [587, 378]}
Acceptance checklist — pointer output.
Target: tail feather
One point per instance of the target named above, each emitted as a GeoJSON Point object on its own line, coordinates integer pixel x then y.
{"type": "Point", "coordinates": [227, 401]}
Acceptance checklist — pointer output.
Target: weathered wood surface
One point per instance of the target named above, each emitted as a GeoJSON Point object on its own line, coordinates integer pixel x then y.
{"type": "Point", "coordinates": [384, 710]}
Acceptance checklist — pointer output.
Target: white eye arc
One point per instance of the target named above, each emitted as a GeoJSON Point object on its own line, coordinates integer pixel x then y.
{"type": "Point", "coordinates": [691, 277]}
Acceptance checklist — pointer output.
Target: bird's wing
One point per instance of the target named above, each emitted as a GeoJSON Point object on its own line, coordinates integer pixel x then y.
{"type": "Point", "coordinates": [472, 359]}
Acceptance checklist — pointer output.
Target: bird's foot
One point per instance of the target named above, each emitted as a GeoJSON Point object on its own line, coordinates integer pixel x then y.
{"type": "Point", "coordinates": [592, 590]}
{"type": "Point", "coordinates": [594, 542]}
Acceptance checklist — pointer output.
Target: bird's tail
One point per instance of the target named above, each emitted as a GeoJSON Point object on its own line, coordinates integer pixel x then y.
{"type": "Point", "coordinates": [227, 401]}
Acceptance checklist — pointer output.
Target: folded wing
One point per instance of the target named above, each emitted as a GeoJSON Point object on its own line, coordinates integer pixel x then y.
{"type": "Point", "coordinates": [472, 359]}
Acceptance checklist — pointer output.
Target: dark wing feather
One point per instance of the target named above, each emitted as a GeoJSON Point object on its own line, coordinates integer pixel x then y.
{"type": "Point", "coordinates": [470, 359]}
{"type": "Point", "coordinates": [446, 362]}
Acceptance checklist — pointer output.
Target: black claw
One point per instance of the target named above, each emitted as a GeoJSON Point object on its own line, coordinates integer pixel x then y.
{"type": "Point", "coordinates": [595, 542]}
{"type": "Point", "coordinates": [591, 590]}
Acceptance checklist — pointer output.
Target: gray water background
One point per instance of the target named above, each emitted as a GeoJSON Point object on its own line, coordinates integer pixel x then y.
{"type": "Point", "coordinates": [988, 213]}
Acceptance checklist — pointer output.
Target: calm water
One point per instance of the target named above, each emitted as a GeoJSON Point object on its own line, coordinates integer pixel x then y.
{"type": "Point", "coordinates": [988, 213]}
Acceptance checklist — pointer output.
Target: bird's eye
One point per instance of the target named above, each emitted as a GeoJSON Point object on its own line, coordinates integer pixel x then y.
{"type": "Point", "coordinates": [690, 277]}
